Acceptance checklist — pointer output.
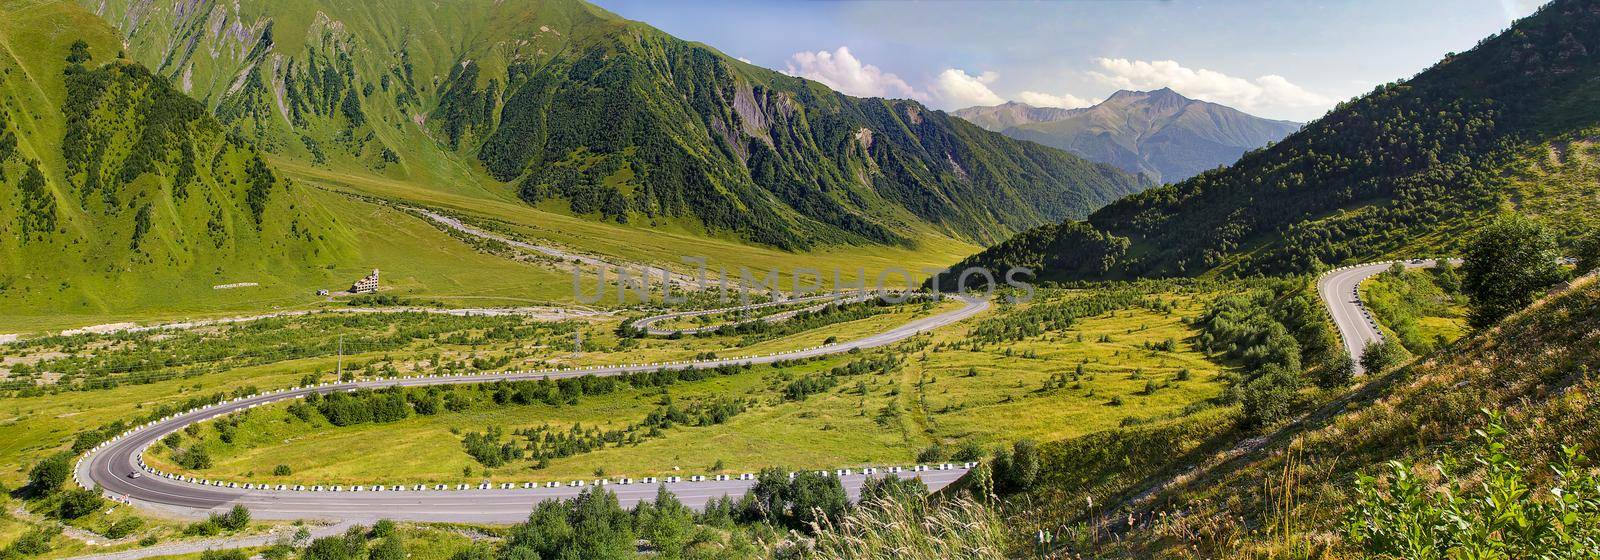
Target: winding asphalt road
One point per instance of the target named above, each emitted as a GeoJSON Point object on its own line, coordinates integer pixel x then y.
{"type": "Point", "coordinates": [1339, 289]}
{"type": "Point", "coordinates": [110, 465]}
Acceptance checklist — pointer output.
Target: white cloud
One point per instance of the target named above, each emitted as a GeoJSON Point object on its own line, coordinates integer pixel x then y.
{"type": "Point", "coordinates": [1269, 91]}
{"type": "Point", "coordinates": [844, 72]}
{"type": "Point", "coordinates": [1064, 101]}
{"type": "Point", "coordinates": [1517, 9]}
{"type": "Point", "coordinates": [955, 88]}
{"type": "Point", "coordinates": [841, 70]}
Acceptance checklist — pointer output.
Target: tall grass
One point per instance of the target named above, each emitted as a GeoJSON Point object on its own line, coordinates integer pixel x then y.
{"type": "Point", "coordinates": [907, 529]}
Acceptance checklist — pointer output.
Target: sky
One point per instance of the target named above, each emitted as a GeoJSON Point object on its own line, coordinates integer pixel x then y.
{"type": "Point", "coordinates": [1287, 60]}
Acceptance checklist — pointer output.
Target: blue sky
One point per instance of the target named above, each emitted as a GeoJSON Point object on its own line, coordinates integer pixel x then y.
{"type": "Point", "coordinates": [1286, 59]}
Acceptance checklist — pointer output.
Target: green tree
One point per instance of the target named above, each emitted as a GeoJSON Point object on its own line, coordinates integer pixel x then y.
{"type": "Point", "coordinates": [47, 476]}
{"type": "Point", "coordinates": [78, 53]}
{"type": "Point", "coordinates": [1017, 469]}
{"type": "Point", "coordinates": [666, 523]}
{"type": "Point", "coordinates": [1588, 252]}
{"type": "Point", "coordinates": [591, 525]}
{"type": "Point", "coordinates": [1447, 276]}
{"type": "Point", "coordinates": [817, 497]}
{"type": "Point", "coordinates": [1505, 266]}
{"type": "Point", "coordinates": [1381, 356]}
{"type": "Point", "coordinates": [1337, 371]}
{"type": "Point", "coordinates": [769, 496]}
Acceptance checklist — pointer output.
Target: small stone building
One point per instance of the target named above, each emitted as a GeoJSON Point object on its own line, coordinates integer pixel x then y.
{"type": "Point", "coordinates": [366, 285]}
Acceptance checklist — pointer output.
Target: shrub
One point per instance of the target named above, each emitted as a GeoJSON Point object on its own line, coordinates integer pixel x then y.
{"type": "Point", "coordinates": [78, 503]}
{"type": "Point", "coordinates": [1269, 398]}
{"type": "Point", "coordinates": [1496, 515]}
{"type": "Point", "coordinates": [236, 518]}
{"type": "Point", "coordinates": [195, 458]}
{"type": "Point", "coordinates": [390, 548]}
{"type": "Point", "coordinates": [931, 454]}
{"type": "Point", "coordinates": [1381, 356]}
{"type": "Point", "coordinates": [123, 527]}
{"type": "Point", "coordinates": [969, 451]}
{"type": "Point", "coordinates": [1016, 470]}
{"type": "Point", "coordinates": [205, 528]}
{"type": "Point", "coordinates": [282, 470]}
{"type": "Point", "coordinates": [34, 542]}
{"type": "Point", "coordinates": [894, 488]}
{"type": "Point", "coordinates": [383, 528]}
{"type": "Point", "coordinates": [337, 547]}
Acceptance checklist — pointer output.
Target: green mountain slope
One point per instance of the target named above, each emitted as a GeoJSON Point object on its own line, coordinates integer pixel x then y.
{"type": "Point", "coordinates": [116, 184]}
{"type": "Point", "coordinates": [1164, 135]}
{"type": "Point", "coordinates": [124, 200]}
{"type": "Point", "coordinates": [1011, 113]}
{"type": "Point", "coordinates": [577, 110]}
{"type": "Point", "coordinates": [1410, 167]}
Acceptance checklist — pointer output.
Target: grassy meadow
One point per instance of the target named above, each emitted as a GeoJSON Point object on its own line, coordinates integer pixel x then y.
{"type": "Point", "coordinates": [1424, 308]}
{"type": "Point", "coordinates": [941, 393]}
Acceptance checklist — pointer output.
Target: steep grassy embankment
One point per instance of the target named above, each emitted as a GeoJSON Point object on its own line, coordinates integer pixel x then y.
{"type": "Point", "coordinates": [1201, 489]}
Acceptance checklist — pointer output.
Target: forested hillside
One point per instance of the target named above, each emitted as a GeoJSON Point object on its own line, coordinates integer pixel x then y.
{"type": "Point", "coordinates": [575, 109]}
{"type": "Point", "coordinates": [1407, 168]}
{"type": "Point", "coordinates": [117, 186]}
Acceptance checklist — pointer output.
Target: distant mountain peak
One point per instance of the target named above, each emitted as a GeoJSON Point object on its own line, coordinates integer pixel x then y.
{"type": "Point", "coordinates": [1126, 94]}
{"type": "Point", "coordinates": [1159, 133]}
{"type": "Point", "coordinates": [1165, 96]}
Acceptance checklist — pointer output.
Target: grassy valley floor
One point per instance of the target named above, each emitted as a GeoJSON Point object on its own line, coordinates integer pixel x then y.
{"type": "Point", "coordinates": [1137, 365]}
